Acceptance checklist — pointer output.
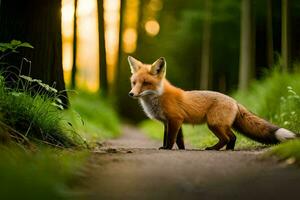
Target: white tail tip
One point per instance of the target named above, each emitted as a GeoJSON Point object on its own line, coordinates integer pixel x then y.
{"type": "Point", "coordinates": [283, 134]}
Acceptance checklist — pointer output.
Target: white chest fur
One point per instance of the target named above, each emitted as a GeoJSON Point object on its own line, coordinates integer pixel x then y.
{"type": "Point", "coordinates": [152, 107]}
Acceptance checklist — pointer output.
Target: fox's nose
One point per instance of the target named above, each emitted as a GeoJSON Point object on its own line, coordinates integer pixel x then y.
{"type": "Point", "coordinates": [131, 94]}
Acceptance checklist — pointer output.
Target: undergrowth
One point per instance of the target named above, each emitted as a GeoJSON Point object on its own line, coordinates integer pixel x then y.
{"type": "Point", "coordinates": [92, 117]}
{"type": "Point", "coordinates": [30, 110]}
{"type": "Point", "coordinates": [275, 98]}
{"type": "Point", "coordinates": [36, 117]}
{"type": "Point", "coordinates": [32, 115]}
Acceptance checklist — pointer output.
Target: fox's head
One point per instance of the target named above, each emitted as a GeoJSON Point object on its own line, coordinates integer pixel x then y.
{"type": "Point", "coordinates": [146, 79]}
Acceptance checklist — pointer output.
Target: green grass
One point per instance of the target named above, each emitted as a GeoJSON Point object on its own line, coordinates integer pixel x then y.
{"type": "Point", "coordinates": [31, 123]}
{"type": "Point", "coordinates": [275, 98]}
{"type": "Point", "coordinates": [92, 117]}
{"type": "Point", "coordinates": [43, 174]}
{"type": "Point", "coordinates": [288, 151]}
{"type": "Point", "coordinates": [37, 117]}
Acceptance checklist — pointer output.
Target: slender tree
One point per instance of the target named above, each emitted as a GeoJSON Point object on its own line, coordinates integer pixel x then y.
{"type": "Point", "coordinates": [120, 52]}
{"type": "Point", "coordinates": [102, 50]}
{"type": "Point", "coordinates": [205, 76]}
{"type": "Point", "coordinates": [270, 50]}
{"type": "Point", "coordinates": [285, 35]}
{"type": "Point", "coordinates": [246, 44]}
{"type": "Point", "coordinates": [39, 23]}
{"type": "Point", "coordinates": [74, 66]}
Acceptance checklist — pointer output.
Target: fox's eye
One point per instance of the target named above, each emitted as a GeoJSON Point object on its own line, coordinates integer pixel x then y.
{"type": "Point", "coordinates": [133, 83]}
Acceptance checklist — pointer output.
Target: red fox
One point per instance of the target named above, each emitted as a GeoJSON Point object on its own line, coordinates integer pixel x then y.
{"type": "Point", "coordinates": [173, 106]}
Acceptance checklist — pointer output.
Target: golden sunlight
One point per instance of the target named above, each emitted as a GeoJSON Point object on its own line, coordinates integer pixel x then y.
{"type": "Point", "coordinates": [87, 40]}
{"type": "Point", "coordinates": [67, 35]}
{"type": "Point", "coordinates": [129, 40]}
{"type": "Point", "coordinates": [130, 24]}
{"type": "Point", "coordinates": [112, 20]}
{"type": "Point", "coordinates": [87, 48]}
{"type": "Point", "coordinates": [152, 27]}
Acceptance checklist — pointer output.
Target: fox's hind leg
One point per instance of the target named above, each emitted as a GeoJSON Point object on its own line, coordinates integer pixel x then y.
{"type": "Point", "coordinates": [179, 139]}
{"type": "Point", "coordinates": [221, 133]}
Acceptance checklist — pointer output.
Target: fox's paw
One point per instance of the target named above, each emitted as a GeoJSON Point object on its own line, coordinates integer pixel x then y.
{"type": "Point", "coordinates": [160, 148]}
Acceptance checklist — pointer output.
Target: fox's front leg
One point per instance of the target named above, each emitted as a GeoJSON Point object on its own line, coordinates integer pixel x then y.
{"type": "Point", "coordinates": [173, 129]}
{"type": "Point", "coordinates": [179, 139]}
{"type": "Point", "coordinates": [165, 136]}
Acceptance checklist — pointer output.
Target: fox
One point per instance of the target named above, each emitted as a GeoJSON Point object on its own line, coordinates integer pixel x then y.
{"type": "Point", "coordinates": [173, 107]}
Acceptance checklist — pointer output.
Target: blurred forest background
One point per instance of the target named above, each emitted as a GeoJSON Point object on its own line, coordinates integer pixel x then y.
{"type": "Point", "coordinates": [219, 45]}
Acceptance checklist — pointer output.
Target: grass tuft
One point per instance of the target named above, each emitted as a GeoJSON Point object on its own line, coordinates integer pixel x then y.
{"type": "Point", "coordinates": [34, 116]}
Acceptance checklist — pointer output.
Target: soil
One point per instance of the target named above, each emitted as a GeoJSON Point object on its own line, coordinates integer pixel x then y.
{"type": "Point", "coordinates": [132, 167]}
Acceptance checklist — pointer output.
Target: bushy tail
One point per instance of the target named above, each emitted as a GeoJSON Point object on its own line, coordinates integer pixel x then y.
{"type": "Point", "coordinates": [259, 129]}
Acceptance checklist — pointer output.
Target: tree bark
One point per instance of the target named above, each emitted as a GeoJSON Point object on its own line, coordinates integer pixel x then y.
{"type": "Point", "coordinates": [270, 50]}
{"type": "Point", "coordinates": [103, 89]}
{"type": "Point", "coordinates": [74, 66]}
{"type": "Point", "coordinates": [39, 23]}
{"type": "Point", "coordinates": [247, 44]}
{"type": "Point", "coordinates": [285, 36]}
{"type": "Point", "coordinates": [205, 76]}
{"type": "Point", "coordinates": [117, 78]}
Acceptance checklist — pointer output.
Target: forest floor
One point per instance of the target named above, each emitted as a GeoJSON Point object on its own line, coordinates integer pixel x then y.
{"type": "Point", "coordinates": [132, 167]}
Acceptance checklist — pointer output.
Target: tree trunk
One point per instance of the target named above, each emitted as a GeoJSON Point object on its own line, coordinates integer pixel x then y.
{"type": "Point", "coordinates": [269, 35]}
{"type": "Point", "coordinates": [285, 36]}
{"type": "Point", "coordinates": [39, 23]}
{"type": "Point", "coordinates": [74, 67]}
{"type": "Point", "coordinates": [102, 50]}
{"type": "Point", "coordinates": [120, 53]}
{"type": "Point", "coordinates": [205, 76]}
{"type": "Point", "coordinates": [247, 44]}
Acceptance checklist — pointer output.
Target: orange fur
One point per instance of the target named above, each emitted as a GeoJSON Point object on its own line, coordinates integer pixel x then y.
{"type": "Point", "coordinates": [174, 106]}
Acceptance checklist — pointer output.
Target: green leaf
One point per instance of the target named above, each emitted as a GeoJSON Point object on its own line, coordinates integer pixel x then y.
{"type": "Point", "coordinates": [13, 45]}
{"type": "Point", "coordinates": [16, 94]}
{"type": "Point", "coordinates": [58, 106]}
{"type": "Point", "coordinates": [26, 44]}
{"type": "Point", "coordinates": [15, 42]}
{"type": "Point", "coordinates": [27, 78]}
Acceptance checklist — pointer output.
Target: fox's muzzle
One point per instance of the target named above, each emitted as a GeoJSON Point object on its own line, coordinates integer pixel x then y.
{"type": "Point", "coordinates": [142, 94]}
{"type": "Point", "coordinates": [132, 95]}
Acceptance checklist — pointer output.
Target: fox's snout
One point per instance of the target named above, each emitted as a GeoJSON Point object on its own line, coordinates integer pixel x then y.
{"type": "Point", "coordinates": [134, 93]}
{"type": "Point", "coordinates": [131, 94]}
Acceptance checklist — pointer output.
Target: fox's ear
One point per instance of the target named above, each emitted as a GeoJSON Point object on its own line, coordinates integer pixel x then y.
{"type": "Point", "coordinates": [159, 67]}
{"type": "Point", "coordinates": [134, 64]}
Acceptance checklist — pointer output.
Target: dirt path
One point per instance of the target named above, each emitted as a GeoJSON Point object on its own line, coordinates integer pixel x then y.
{"type": "Point", "coordinates": [132, 168]}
